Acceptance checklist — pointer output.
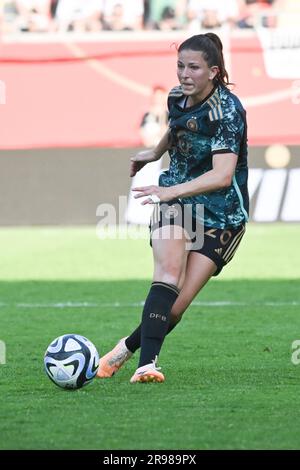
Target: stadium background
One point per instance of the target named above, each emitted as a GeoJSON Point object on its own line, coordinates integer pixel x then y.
{"type": "Point", "coordinates": [73, 107]}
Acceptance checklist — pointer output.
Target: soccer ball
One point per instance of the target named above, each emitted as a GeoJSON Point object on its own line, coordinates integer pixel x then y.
{"type": "Point", "coordinates": [71, 361]}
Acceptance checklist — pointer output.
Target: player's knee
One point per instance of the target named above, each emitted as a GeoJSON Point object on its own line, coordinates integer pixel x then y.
{"type": "Point", "coordinates": [168, 272]}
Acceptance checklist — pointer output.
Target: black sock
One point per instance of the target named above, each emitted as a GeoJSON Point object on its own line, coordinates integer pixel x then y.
{"type": "Point", "coordinates": [155, 320]}
{"type": "Point", "coordinates": [133, 342]}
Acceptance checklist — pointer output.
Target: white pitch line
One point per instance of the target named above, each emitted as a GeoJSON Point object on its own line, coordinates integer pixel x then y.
{"type": "Point", "coordinates": [218, 303]}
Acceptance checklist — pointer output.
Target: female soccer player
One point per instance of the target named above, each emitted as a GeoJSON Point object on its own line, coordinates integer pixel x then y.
{"type": "Point", "coordinates": [201, 203]}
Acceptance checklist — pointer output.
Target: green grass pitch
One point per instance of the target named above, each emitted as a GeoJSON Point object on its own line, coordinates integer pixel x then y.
{"type": "Point", "coordinates": [230, 382]}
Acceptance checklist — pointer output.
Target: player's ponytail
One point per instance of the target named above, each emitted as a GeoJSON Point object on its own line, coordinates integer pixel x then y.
{"type": "Point", "coordinates": [212, 49]}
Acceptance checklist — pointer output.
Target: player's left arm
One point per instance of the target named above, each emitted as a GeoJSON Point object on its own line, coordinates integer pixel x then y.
{"type": "Point", "coordinates": [219, 177]}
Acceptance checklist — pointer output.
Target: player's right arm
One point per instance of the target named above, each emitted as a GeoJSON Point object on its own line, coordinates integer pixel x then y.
{"type": "Point", "coordinates": [150, 155]}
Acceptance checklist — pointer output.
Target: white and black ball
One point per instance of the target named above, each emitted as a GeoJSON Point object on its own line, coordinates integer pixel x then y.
{"type": "Point", "coordinates": [71, 361]}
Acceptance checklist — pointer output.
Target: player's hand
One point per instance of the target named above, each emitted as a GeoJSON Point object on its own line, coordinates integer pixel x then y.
{"type": "Point", "coordinates": [156, 194]}
{"type": "Point", "coordinates": [140, 160]}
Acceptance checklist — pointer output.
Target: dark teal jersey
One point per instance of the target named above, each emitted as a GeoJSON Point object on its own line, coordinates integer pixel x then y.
{"type": "Point", "coordinates": [216, 125]}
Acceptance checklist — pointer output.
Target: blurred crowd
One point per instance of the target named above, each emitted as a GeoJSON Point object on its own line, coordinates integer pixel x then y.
{"type": "Point", "coordinates": [135, 15]}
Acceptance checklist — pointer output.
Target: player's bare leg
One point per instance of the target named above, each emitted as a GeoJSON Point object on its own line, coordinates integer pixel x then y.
{"type": "Point", "coordinates": [170, 255]}
{"type": "Point", "coordinates": [199, 270]}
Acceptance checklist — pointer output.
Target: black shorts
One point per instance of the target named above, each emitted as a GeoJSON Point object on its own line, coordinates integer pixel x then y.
{"type": "Point", "coordinates": [217, 244]}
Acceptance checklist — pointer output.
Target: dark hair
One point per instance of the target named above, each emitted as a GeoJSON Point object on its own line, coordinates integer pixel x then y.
{"type": "Point", "coordinates": [212, 50]}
